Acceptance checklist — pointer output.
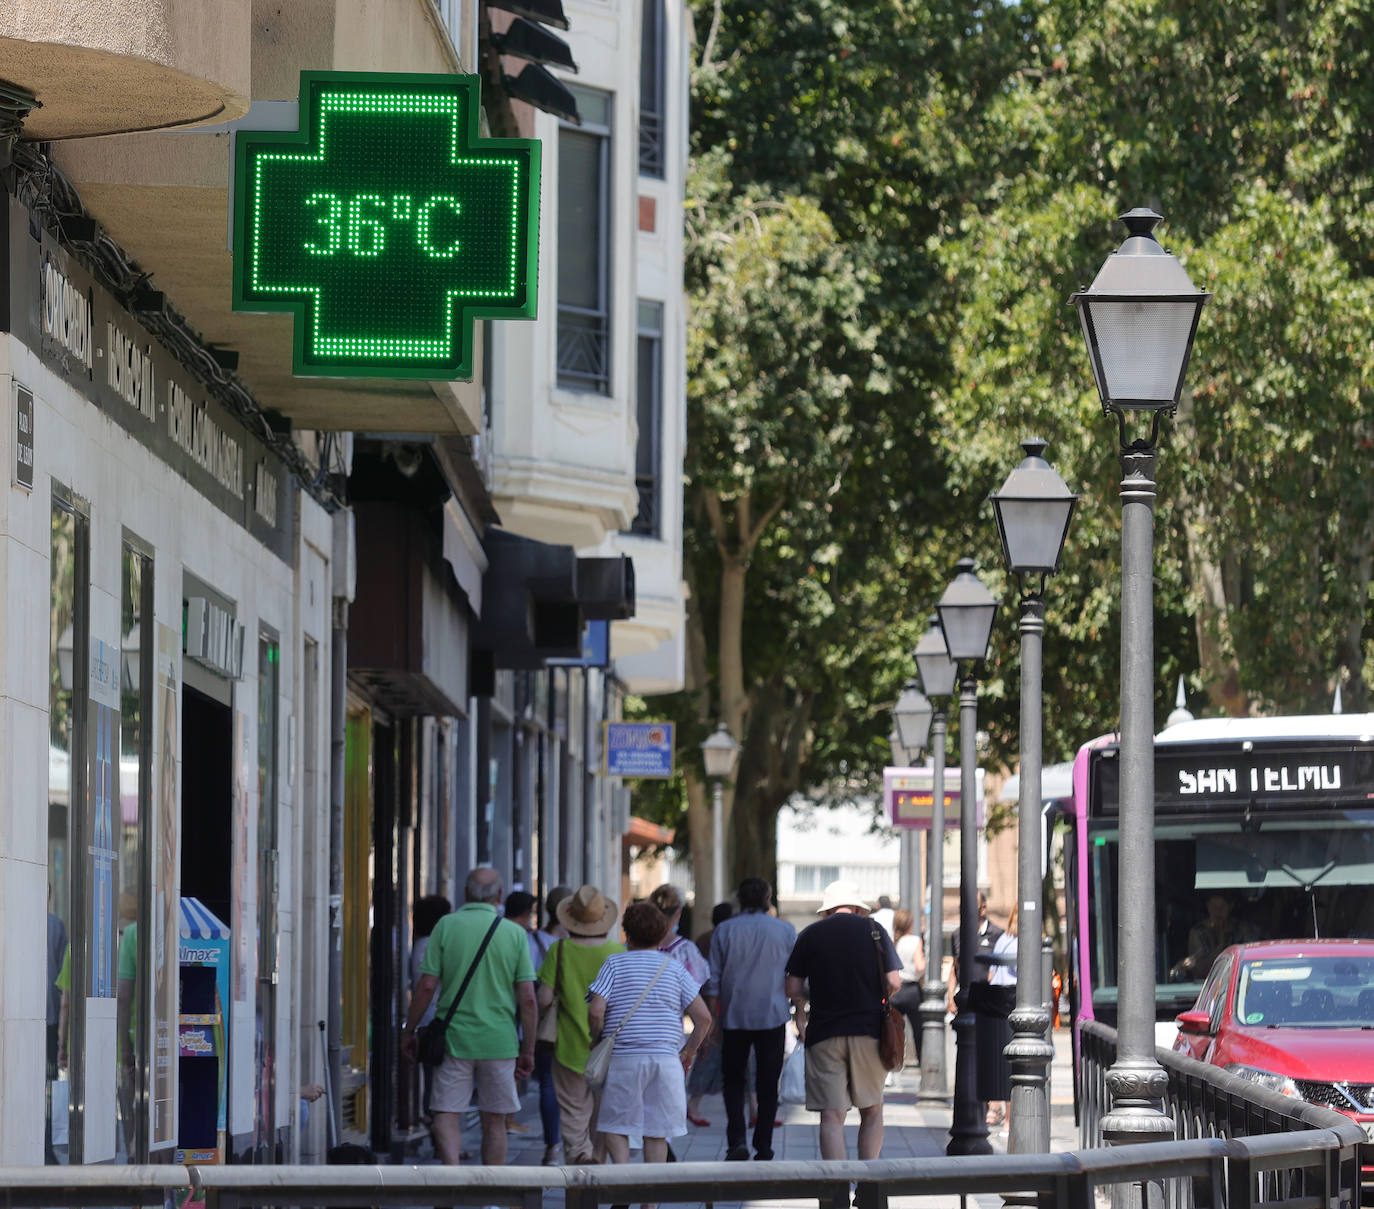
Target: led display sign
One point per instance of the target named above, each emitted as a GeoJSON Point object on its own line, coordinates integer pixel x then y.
{"type": "Point", "coordinates": [386, 225]}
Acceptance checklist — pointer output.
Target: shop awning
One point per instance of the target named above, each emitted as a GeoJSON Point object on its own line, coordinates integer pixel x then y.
{"type": "Point", "coordinates": [643, 833]}
{"type": "Point", "coordinates": [198, 922]}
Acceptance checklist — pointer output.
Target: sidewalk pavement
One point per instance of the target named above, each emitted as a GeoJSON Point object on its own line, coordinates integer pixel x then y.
{"type": "Point", "coordinates": [913, 1129]}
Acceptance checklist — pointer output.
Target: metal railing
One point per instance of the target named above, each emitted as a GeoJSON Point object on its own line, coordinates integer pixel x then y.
{"type": "Point", "coordinates": [1242, 1146]}
{"type": "Point", "coordinates": [1277, 1146]}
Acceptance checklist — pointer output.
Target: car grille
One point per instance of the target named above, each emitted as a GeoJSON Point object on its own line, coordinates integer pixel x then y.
{"type": "Point", "coordinates": [1347, 1097]}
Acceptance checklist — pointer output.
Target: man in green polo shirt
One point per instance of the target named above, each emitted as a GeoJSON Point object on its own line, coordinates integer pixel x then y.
{"type": "Point", "coordinates": [483, 1049]}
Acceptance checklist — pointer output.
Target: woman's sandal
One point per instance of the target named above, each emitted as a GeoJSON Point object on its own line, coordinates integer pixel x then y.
{"type": "Point", "coordinates": [701, 1121]}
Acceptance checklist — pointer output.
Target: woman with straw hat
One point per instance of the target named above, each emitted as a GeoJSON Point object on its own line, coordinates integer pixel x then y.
{"type": "Point", "coordinates": [568, 970]}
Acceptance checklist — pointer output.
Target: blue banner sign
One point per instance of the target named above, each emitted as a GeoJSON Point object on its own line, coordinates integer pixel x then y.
{"type": "Point", "coordinates": [596, 647]}
{"type": "Point", "coordinates": [638, 749]}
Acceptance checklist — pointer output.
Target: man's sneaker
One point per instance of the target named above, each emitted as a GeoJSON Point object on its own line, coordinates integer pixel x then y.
{"type": "Point", "coordinates": [514, 1126]}
{"type": "Point", "coordinates": [737, 1154]}
{"type": "Point", "coordinates": [553, 1155]}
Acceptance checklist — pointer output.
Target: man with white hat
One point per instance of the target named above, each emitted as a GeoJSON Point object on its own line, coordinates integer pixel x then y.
{"type": "Point", "coordinates": [841, 969]}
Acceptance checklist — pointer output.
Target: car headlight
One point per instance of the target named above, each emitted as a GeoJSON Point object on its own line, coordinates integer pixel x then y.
{"type": "Point", "coordinates": [1265, 1078]}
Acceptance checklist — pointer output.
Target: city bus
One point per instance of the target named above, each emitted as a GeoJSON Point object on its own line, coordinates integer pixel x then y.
{"type": "Point", "coordinates": [1264, 829]}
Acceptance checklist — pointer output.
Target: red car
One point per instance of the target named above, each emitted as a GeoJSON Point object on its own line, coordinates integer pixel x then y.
{"type": "Point", "coordinates": [1296, 1016]}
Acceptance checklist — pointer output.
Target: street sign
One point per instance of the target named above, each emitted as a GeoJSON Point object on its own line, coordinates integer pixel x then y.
{"type": "Point", "coordinates": [910, 797]}
{"type": "Point", "coordinates": [638, 749]}
{"type": "Point", "coordinates": [386, 225]}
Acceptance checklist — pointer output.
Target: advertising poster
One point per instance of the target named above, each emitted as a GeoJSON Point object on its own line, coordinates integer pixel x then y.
{"type": "Point", "coordinates": [166, 901]}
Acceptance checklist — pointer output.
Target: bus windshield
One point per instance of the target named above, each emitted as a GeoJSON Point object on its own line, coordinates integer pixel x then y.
{"type": "Point", "coordinates": [1221, 882]}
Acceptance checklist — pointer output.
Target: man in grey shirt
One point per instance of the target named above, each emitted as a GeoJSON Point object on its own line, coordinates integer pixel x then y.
{"type": "Point", "coordinates": [749, 955]}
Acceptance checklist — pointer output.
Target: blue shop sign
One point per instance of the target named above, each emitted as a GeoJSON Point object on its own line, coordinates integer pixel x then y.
{"type": "Point", "coordinates": [638, 749]}
{"type": "Point", "coordinates": [596, 647]}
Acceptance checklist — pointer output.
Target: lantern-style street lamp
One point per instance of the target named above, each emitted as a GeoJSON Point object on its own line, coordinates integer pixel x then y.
{"type": "Point", "coordinates": [966, 613]}
{"type": "Point", "coordinates": [719, 753]}
{"type": "Point", "coordinates": [1139, 318]}
{"type": "Point", "coordinates": [1033, 511]}
{"type": "Point", "coordinates": [937, 672]}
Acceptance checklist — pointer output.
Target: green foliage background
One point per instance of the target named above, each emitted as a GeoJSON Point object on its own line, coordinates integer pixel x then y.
{"type": "Point", "coordinates": [890, 204]}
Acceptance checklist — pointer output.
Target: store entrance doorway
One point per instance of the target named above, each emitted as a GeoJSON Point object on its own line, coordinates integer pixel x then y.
{"type": "Point", "coordinates": [207, 795]}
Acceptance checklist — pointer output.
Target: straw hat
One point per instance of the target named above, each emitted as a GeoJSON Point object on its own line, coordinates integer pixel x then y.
{"type": "Point", "coordinates": [587, 913]}
{"type": "Point", "coordinates": [841, 894]}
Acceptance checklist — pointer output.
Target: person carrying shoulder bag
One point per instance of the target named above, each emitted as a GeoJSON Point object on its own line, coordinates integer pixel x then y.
{"type": "Point", "coordinates": [486, 960]}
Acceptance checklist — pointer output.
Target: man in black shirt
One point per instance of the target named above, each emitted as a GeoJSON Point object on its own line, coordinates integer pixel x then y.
{"type": "Point", "coordinates": [844, 965]}
{"type": "Point", "coordinates": [988, 932]}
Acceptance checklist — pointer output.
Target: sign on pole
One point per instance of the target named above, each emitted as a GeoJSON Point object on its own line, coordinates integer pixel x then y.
{"type": "Point", "coordinates": [909, 794]}
{"type": "Point", "coordinates": [386, 225]}
{"type": "Point", "coordinates": [638, 749]}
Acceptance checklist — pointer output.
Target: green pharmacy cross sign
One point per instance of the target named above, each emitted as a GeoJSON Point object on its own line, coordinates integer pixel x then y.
{"type": "Point", "coordinates": [386, 225]}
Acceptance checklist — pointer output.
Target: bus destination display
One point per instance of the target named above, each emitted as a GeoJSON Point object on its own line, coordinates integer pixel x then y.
{"type": "Point", "coordinates": [1197, 778]}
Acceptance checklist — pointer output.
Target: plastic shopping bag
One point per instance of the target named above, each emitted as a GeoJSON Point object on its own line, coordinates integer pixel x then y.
{"type": "Point", "coordinates": [792, 1087]}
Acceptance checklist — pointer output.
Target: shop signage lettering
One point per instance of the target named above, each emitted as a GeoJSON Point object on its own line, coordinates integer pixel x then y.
{"type": "Point", "coordinates": [66, 314]}
{"type": "Point", "coordinates": [190, 425]}
{"type": "Point", "coordinates": [265, 494]}
{"type": "Point", "coordinates": [23, 437]}
{"type": "Point", "coordinates": [212, 637]}
{"type": "Point", "coordinates": [74, 324]}
{"type": "Point", "coordinates": [386, 225]}
{"type": "Point", "coordinates": [129, 370]}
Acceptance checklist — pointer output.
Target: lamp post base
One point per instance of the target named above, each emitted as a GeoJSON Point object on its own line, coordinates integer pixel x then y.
{"type": "Point", "coordinates": [1030, 1056]}
{"type": "Point", "coordinates": [969, 1132]}
{"type": "Point", "coordinates": [934, 1082]}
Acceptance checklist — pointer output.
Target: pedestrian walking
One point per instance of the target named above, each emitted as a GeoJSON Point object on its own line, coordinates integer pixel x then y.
{"type": "Point", "coordinates": [570, 967]}
{"type": "Point", "coordinates": [749, 955]}
{"type": "Point", "coordinates": [639, 997]}
{"type": "Point", "coordinates": [475, 954]}
{"type": "Point", "coordinates": [427, 913]}
{"type": "Point", "coordinates": [987, 934]}
{"type": "Point", "coordinates": [669, 900]}
{"type": "Point", "coordinates": [911, 952]}
{"type": "Point", "coordinates": [540, 942]}
{"type": "Point", "coordinates": [705, 1078]}
{"type": "Point", "coordinates": [841, 968]}
{"type": "Point", "coordinates": [993, 1004]}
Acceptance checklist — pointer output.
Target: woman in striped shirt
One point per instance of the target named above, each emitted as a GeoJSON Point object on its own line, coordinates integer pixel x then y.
{"type": "Point", "coordinates": [639, 997]}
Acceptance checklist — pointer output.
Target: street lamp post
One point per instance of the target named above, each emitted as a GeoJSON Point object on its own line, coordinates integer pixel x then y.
{"type": "Point", "coordinates": [719, 753]}
{"type": "Point", "coordinates": [937, 672]}
{"type": "Point", "coordinates": [1139, 318]}
{"type": "Point", "coordinates": [1033, 511]}
{"type": "Point", "coordinates": [966, 612]}
{"type": "Point", "coordinates": [910, 732]}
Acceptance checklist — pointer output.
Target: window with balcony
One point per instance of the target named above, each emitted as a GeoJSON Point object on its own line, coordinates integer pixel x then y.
{"type": "Point", "coordinates": [584, 246]}
{"type": "Point", "coordinates": [649, 410]}
{"type": "Point", "coordinates": [651, 90]}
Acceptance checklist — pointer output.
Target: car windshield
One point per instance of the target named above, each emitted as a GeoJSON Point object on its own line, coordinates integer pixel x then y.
{"type": "Point", "coordinates": [1306, 992]}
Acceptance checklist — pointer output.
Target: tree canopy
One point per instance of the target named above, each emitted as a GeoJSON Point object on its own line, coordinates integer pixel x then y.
{"type": "Point", "coordinates": [891, 202]}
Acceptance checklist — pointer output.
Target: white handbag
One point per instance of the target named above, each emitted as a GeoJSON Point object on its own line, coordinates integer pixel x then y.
{"type": "Point", "coordinates": [599, 1060]}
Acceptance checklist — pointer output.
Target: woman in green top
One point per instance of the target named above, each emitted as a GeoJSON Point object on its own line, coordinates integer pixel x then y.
{"type": "Point", "coordinates": [572, 965]}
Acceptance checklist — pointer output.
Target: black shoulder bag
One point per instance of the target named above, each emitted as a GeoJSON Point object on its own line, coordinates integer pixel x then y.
{"type": "Point", "coordinates": [430, 1038]}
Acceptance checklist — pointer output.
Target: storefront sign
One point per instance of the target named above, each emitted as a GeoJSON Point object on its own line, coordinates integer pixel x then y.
{"type": "Point", "coordinates": [910, 795]}
{"type": "Point", "coordinates": [22, 475]}
{"type": "Point", "coordinates": [212, 637]}
{"type": "Point", "coordinates": [596, 647]}
{"type": "Point", "coordinates": [386, 225]}
{"type": "Point", "coordinates": [99, 348]}
{"type": "Point", "coordinates": [638, 749]}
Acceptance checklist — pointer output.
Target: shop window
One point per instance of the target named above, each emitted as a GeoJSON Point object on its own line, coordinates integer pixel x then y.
{"type": "Point", "coordinates": [68, 938]}
{"type": "Point", "coordinates": [269, 682]}
{"type": "Point", "coordinates": [140, 1030]}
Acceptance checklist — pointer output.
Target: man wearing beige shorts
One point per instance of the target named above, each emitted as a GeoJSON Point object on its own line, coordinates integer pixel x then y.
{"type": "Point", "coordinates": [833, 978]}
